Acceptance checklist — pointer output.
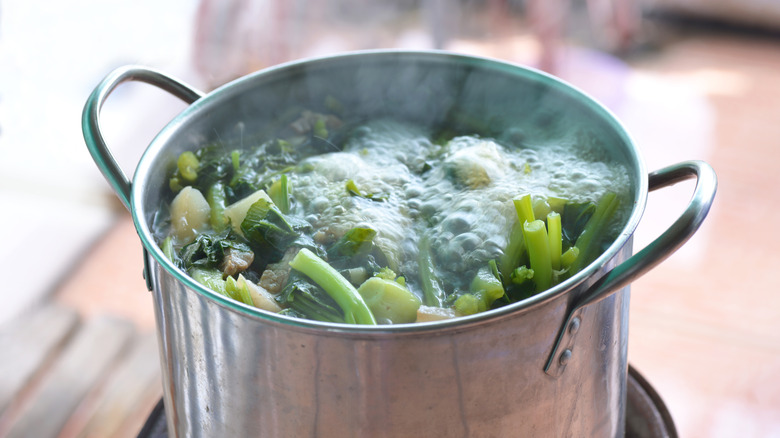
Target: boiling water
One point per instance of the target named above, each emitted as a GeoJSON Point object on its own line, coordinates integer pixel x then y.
{"type": "Point", "coordinates": [459, 194]}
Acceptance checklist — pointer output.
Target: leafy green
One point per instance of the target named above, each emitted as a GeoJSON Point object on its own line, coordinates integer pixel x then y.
{"type": "Point", "coordinates": [590, 240]}
{"type": "Point", "coordinates": [358, 241]}
{"type": "Point", "coordinates": [339, 288]}
{"type": "Point", "coordinates": [308, 300]}
{"type": "Point", "coordinates": [208, 250]}
{"type": "Point", "coordinates": [573, 220]}
{"type": "Point", "coordinates": [268, 230]}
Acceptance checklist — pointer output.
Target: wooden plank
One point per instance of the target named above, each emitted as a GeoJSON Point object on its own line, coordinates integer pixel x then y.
{"type": "Point", "coordinates": [133, 384]}
{"type": "Point", "coordinates": [28, 343]}
{"type": "Point", "coordinates": [84, 361]}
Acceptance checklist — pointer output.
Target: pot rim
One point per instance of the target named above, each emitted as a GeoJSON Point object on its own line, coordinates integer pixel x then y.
{"type": "Point", "coordinates": [138, 189]}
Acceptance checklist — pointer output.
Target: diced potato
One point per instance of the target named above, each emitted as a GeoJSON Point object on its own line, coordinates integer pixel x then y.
{"type": "Point", "coordinates": [261, 298]}
{"type": "Point", "coordinates": [236, 212]}
{"type": "Point", "coordinates": [428, 313]}
{"type": "Point", "coordinates": [189, 214]}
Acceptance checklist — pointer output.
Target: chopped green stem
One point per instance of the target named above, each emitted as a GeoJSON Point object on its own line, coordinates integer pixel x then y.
{"type": "Point", "coordinates": [589, 242]}
{"type": "Point", "coordinates": [211, 278]}
{"type": "Point", "coordinates": [569, 257]}
{"type": "Point", "coordinates": [538, 253]}
{"type": "Point", "coordinates": [279, 192]}
{"type": "Point", "coordinates": [238, 292]}
{"type": "Point", "coordinates": [525, 209]}
{"type": "Point", "coordinates": [554, 238]}
{"type": "Point", "coordinates": [235, 159]}
{"type": "Point", "coordinates": [433, 294]}
{"type": "Point", "coordinates": [339, 288]}
{"type": "Point", "coordinates": [514, 250]}
{"type": "Point", "coordinates": [215, 196]}
{"type": "Point", "coordinates": [167, 248]}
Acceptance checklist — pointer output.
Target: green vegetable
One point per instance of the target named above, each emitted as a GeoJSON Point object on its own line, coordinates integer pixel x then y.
{"type": "Point", "coordinates": [267, 229]}
{"type": "Point", "coordinates": [339, 288]}
{"type": "Point", "coordinates": [433, 294]}
{"type": "Point", "coordinates": [212, 279]}
{"type": "Point", "coordinates": [279, 192]}
{"type": "Point", "coordinates": [238, 292]}
{"type": "Point", "coordinates": [573, 220]}
{"type": "Point", "coordinates": [538, 247]}
{"type": "Point", "coordinates": [555, 239]}
{"type": "Point", "coordinates": [358, 241]}
{"type": "Point", "coordinates": [589, 242]}
{"type": "Point", "coordinates": [389, 300]}
{"type": "Point", "coordinates": [516, 248]}
{"type": "Point", "coordinates": [568, 257]}
{"type": "Point", "coordinates": [308, 300]}
{"type": "Point", "coordinates": [485, 289]}
{"type": "Point", "coordinates": [215, 196]}
{"type": "Point", "coordinates": [524, 208]}
{"type": "Point", "coordinates": [320, 129]}
{"type": "Point", "coordinates": [167, 248]}
{"type": "Point", "coordinates": [188, 166]}
{"type": "Point", "coordinates": [514, 251]}
{"type": "Point", "coordinates": [353, 190]}
{"type": "Point", "coordinates": [208, 250]}
{"type": "Point", "coordinates": [521, 274]}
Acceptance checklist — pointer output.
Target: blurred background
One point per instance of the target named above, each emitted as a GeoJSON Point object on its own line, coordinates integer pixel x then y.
{"type": "Point", "coordinates": [690, 79]}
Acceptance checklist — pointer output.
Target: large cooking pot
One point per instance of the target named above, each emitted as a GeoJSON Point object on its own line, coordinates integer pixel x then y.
{"type": "Point", "coordinates": [552, 365]}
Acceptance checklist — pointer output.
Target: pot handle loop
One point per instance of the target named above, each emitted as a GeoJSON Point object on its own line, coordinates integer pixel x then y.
{"type": "Point", "coordinates": [90, 121]}
{"type": "Point", "coordinates": [646, 259]}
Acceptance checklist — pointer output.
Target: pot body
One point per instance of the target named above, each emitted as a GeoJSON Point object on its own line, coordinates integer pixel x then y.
{"type": "Point", "coordinates": [229, 375]}
{"type": "Point", "coordinates": [231, 370]}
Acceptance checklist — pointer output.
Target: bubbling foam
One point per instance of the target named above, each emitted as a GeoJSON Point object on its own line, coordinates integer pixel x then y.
{"type": "Point", "coordinates": [458, 194]}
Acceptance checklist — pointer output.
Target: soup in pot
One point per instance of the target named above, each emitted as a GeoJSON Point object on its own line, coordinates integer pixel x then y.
{"type": "Point", "coordinates": [387, 222]}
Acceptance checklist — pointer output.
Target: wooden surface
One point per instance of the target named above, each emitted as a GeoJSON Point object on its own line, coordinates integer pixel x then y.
{"type": "Point", "coordinates": [65, 376]}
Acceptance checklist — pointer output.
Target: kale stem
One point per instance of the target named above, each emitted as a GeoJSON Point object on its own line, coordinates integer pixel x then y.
{"type": "Point", "coordinates": [334, 284]}
{"type": "Point", "coordinates": [433, 294]}
{"type": "Point", "coordinates": [555, 239]}
{"type": "Point", "coordinates": [525, 209]}
{"type": "Point", "coordinates": [215, 196]}
{"type": "Point", "coordinates": [538, 253]}
{"type": "Point", "coordinates": [589, 242]}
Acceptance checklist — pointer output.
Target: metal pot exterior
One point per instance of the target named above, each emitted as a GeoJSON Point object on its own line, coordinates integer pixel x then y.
{"type": "Point", "coordinates": [229, 375]}
{"type": "Point", "coordinates": [553, 365]}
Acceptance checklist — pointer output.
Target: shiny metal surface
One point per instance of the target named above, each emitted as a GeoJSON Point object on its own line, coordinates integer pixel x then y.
{"type": "Point", "coordinates": [232, 370]}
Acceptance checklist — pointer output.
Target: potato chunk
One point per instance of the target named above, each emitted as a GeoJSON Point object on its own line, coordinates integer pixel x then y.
{"type": "Point", "coordinates": [189, 214]}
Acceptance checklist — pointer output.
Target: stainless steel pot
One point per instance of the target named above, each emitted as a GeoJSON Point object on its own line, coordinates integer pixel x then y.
{"type": "Point", "coordinates": [553, 365]}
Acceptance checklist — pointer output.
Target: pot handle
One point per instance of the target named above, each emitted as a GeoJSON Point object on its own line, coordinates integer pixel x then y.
{"type": "Point", "coordinates": [646, 259]}
{"type": "Point", "coordinates": [90, 121]}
